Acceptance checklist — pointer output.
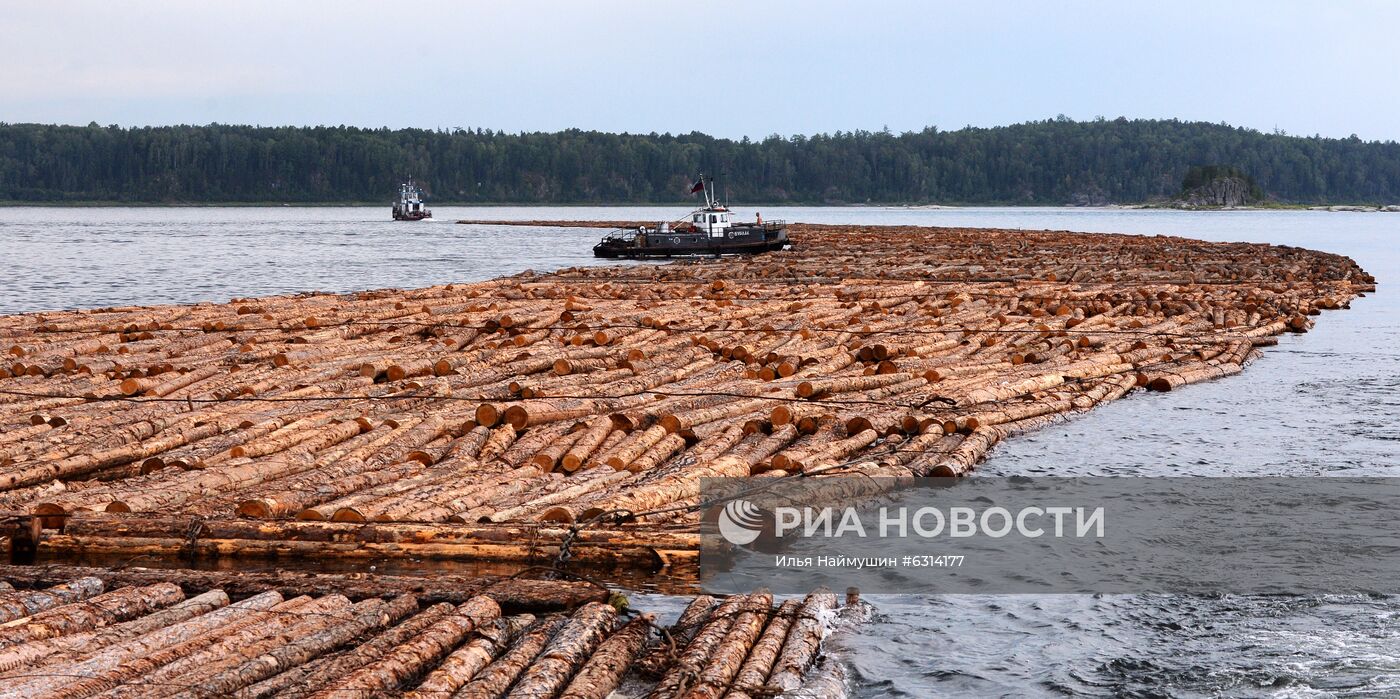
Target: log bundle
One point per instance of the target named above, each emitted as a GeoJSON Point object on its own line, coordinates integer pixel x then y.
{"type": "Point", "coordinates": [154, 641]}
{"type": "Point", "coordinates": [602, 396]}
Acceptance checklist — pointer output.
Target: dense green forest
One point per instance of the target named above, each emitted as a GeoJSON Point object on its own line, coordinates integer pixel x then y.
{"type": "Point", "coordinates": [1057, 161]}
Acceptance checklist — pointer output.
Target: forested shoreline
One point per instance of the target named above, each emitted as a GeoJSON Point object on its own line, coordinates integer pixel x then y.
{"type": "Point", "coordinates": [1050, 162]}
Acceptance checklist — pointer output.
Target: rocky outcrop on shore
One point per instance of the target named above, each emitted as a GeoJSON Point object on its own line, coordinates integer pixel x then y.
{"type": "Point", "coordinates": [1220, 192]}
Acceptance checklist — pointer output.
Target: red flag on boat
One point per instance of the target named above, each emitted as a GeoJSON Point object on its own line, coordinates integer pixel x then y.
{"type": "Point", "coordinates": [699, 186]}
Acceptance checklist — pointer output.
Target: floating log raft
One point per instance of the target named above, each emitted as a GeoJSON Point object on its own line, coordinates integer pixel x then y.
{"type": "Point", "coordinates": [596, 399]}
{"type": "Point", "coordinates": [327, 645]}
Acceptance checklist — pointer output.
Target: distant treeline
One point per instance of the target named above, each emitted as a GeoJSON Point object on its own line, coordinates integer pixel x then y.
{"type": "Point", "coordinates": [1056, 161]}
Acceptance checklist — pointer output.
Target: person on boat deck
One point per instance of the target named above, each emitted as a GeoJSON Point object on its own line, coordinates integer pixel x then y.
{"type": "Point", "coordinates": [758, 217]}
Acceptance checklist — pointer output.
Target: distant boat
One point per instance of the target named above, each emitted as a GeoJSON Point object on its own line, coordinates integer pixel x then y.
{"type": "Point", "coordinates": [709, 230]}
{"type": "Point", "coordinates": [410, 206]}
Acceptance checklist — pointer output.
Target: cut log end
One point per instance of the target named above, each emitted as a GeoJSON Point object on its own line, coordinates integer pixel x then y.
{"type": "Point", "coordinates": [561, 515]}
{"type": "Point", "coordinates": [257, 509]}
{"type": "Point", "coordinates": [348, 514]}
{"type": "Point", "coordinates": [487, 415]}
{"type": "Point", "coordinates": [516, 415]}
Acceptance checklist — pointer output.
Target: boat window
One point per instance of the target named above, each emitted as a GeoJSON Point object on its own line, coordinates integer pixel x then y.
{"type": "Point", "coordinates": [699, 218]}
{"type": "Point", "coordinates": [714, 218]}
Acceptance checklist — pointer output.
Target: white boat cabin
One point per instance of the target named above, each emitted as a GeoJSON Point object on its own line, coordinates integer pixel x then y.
{"type": "Point", "coordinates": [410, 199]}
{"type": "Point", "coordinates": [712, 221]}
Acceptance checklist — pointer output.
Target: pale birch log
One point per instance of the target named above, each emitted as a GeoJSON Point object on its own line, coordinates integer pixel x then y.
{"type": "Point", "coordinates": [805, 635]}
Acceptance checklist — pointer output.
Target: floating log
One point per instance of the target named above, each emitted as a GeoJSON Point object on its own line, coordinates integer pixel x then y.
{"type": "Point", "coordinates": [96, 612]}
{"type": "Point", "coordinates": [566, 652]}
{"type": "Point", "coordinates": [493, 681]}
{"type": "Point", "coordinates": [71, 647]}
{"type": "Point", "coordinates": [369, 615]}
{"type": "Point", "coordinates": [324, 671]}
{"type": "Point", "coordinates": [689, 665]}
{"type": "Point", "coordinates": [827, 680]}
{"type": "Point", "coordinates": [325, 645]}
{"type": "Point", "coordinates": [754, 672]}
{"type": "Point", "coordinates": [126, 662]}
{"type": "Point", "coordinates": [424, 650]}
{"type": "Point", "coordinates": [515, 595]}
{"type": "Point", "coordinates": [610, 662]}
{"type": "Point", "coordinates": [461, 665]}
{"type": "Point", "coordinates": [248, 638]}
{"type": "Point", "coordinates": [804, 636]}
{"type": "Point", "coordinates": [587, 443]}
{"type": "Point", "coordinates": [26, 603]}
{"type": "Point", "coordinates": [749, 620]}
{"type": "Point", "coordinates": [677, 637]}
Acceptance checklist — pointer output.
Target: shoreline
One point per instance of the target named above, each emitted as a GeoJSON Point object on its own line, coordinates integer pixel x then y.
{"type": "Point", "coordinates": [1141, 206]}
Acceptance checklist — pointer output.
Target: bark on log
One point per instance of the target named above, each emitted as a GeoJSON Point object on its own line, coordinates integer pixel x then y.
{"type": "Point", "coordinates": [119, 605]}
{"type": "Point", "coordinates": [26, 603]}
{"type": "Point", "coordinates": [604, 670]}
{"type": "Point", "coordinates": [728, 657]}
{"type": "Point", "coordinates": [634, 446]}
{"type": "Point", "coordinates": [125, 662]}
{"type": "Point", "coordinates": [678, 636]}
{"type": "Point", "coordinates": [685, 672]}
{"type": "Point", "coordinates": [560, 660]}
{"type": "Point", "coordinates": [515, 595]}
{"type": "Point", "coordinates": [297, 616]}
{"type": "Point", "coordinates": [754, 673]}
{"type": "Point", "coordinates": [267, 669]}
{"type": "Point", "coordinates": [828, 680]}
{"type": "Point", "coordinates": [411, 658]}
{"type": "Point", "coordinates": [804, 637]}
{"type": "Point", "coordinates": [587, 443]}
{"type": "Point", "coordinates": [462, 664]}
{"type": "Point", "coordinates": [317, 674]}
{"type": "Point", "coordinates": [496, 679]}
{"type": "Point", "coordinates": [72, 647]}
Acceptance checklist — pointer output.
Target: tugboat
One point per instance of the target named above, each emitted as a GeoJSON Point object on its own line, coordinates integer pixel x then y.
{"type": "Point", "coordinates": [410, 207]}
{"type": "Point", "coordinates": [709, 230]}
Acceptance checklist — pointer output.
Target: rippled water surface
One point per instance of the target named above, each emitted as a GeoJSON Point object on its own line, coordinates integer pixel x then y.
{"type": "Point", "coordinates": [1324, 403]}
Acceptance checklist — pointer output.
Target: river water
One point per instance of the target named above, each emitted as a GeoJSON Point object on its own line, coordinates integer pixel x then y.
{"type": "Point", "coordinates": [1324, 403]}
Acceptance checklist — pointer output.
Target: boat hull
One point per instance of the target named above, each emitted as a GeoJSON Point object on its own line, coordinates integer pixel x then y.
{"type": "Point", "coordinates": [411, 215]}
{"type": "Point", "coordinates": [737, 241]}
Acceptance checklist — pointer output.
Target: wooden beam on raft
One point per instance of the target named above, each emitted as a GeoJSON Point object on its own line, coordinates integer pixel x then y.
{"type": "Point", "coordinates": [513, 594]}
{"type": "Point", "coordinates": [174, 536]}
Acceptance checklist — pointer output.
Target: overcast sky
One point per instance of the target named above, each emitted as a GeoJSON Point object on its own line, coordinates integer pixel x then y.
{"type": "Point", "coordinates": [728, 68]}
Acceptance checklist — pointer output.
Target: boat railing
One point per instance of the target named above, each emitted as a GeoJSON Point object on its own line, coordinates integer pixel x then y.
{"type": "Point", "coordinates": [621, 235]}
